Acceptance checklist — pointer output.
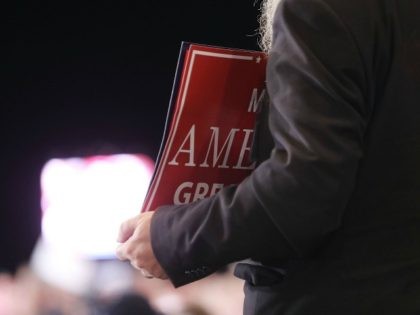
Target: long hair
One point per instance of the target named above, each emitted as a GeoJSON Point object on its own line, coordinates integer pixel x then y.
{"type": "Point", "coordinates": [265, 19]}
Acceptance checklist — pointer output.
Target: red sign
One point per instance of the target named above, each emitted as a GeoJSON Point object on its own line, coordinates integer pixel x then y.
{"type": "Point", "coordinates": [210, 132]}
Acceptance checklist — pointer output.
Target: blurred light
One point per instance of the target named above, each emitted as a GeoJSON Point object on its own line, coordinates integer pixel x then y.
{"type": "Point", "coordinates": [84, 200]}
{"type": "Point", "coordinates": [62, 268]}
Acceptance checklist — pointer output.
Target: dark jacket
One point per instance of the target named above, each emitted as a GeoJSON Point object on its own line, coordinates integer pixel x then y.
{"type": "Point", "coordinates": [333, 213]}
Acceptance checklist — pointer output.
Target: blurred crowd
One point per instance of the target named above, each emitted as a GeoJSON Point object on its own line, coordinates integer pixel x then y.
{"type": "Point", "coordinates": [56, 282]}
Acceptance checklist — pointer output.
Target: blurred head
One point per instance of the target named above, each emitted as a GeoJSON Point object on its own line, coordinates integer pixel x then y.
{"type": "Point", "coordinates": [268, 8]}
{"type": "Point", "coordinates": [131, 304]}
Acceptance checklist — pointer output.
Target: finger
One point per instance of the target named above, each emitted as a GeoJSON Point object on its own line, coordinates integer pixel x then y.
{"type": "Point", "coordinates": [121, 252]}
{"type": "Point", "coordinates": [145, 273]}
{"type": "Point", "coordinates": [134, 265]}
{"type": "Point", "coordinates": [126, 229]}
{"type": "Point", "coordinates": [159, 273]}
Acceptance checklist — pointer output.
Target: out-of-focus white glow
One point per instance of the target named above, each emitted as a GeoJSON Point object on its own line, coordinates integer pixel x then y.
{"type": "Point", "coordinates": [84, 200]}
{"type": "Point", "coordinates": [61, 268]}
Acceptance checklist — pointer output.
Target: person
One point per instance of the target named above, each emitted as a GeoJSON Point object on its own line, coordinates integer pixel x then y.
{"type": "Point", "coordinates": [331, 218]}
{"type": "Point", "coordinates": [130, 304]}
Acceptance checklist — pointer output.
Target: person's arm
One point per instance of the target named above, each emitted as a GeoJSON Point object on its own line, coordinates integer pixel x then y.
{"type": "Point", "coordinates": [293, 200]}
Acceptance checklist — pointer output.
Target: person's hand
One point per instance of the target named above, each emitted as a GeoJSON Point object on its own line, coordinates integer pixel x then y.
{"type": "Point", "coordinates": [136, 247]}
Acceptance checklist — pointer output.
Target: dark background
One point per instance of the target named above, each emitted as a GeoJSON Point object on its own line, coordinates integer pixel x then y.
{"type": "Point", "coordinates": [93, 77]}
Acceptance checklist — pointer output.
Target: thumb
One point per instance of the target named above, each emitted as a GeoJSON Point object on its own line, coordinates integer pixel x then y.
{"type": "Point", "coordinates": [127, 228]}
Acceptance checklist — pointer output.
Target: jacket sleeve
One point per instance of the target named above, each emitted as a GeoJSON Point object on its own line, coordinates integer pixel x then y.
{"type": "Point", "coordinates": [294, 199]}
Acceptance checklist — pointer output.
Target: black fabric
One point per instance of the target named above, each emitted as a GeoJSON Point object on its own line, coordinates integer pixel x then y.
{"type": "Point", "coordinates": [259, 274]}
{"type": "Point", "coordinates": [208, 244]}
{"type": "Point", "coordinates": [337, 203]}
